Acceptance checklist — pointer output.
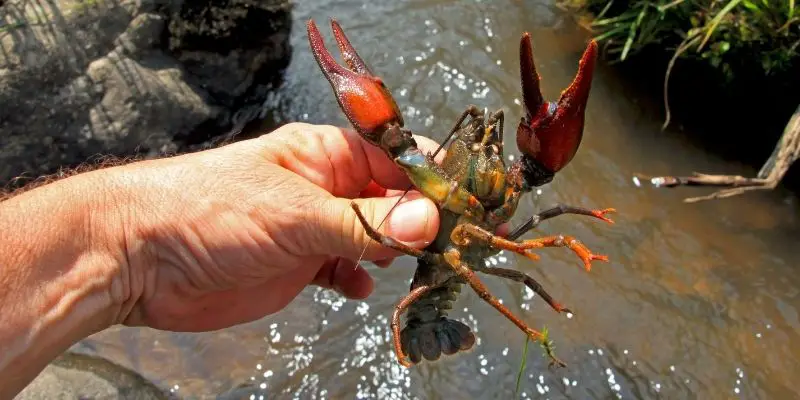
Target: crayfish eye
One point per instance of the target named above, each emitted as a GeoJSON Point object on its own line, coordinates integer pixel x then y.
{"type": "Point", "coordinates": [551, 108]}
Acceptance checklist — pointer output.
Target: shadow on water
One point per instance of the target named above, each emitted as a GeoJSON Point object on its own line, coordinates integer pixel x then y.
{"type": "Point", "coordinates": [699, 301]}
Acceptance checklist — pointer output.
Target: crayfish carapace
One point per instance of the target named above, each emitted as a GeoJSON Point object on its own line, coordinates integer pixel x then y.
{"type": "Point", "coordinates": [473, 188]}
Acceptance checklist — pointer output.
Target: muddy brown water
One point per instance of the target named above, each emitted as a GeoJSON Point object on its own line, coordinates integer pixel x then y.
{"type": "Point", "coordinates": [698, 301]}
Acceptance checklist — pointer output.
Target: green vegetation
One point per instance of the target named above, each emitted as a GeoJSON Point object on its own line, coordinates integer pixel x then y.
{"type": "Point", "coordinates": [83, 6]}
{"type": "Point", "coordinates": [723, 33]}
{"type": "Point", "coordinates": [522, 366]}
{"type": "Point", "coordinates": [736, 38]}
{"type": "Point", "coordinates": [547, 346]}
{"type": "Point", "coordinates": [9, 27]}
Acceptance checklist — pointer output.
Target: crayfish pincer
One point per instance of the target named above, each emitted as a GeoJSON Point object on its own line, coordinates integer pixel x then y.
{"type": "Point", "coordinates": [473, 189]}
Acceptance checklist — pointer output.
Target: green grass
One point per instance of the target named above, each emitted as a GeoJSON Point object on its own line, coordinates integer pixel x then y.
{"type": "Point", "coordinates": [737, 38]}
{"type": "Point", "coordinates": [547, 346]}
{"type": "Point", "coordinates": [522, 365]}
{"type": "Point", "coordinates": [10, 27]}
{"type": "Point", "coordinates": [84, 6]}
{"type": "Point", "coordinates": [716, 31]}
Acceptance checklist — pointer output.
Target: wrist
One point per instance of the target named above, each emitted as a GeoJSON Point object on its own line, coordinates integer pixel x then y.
{"type": "Point", "coordinates": [64, 276]}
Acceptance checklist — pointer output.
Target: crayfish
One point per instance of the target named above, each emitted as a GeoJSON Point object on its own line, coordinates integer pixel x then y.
{"type": "Point", "coordinates": [473, 189]}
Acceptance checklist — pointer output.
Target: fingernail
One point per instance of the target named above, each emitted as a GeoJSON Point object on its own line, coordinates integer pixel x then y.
{"type": "Point", "coordinates": [408, 222]}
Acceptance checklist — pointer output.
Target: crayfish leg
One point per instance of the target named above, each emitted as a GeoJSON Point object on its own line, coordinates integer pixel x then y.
{"type": "Point", "coordinates": [453, 259]}
{"type": "Point", "coordinates": [553, 212]}
{"type": "Point", "coordinates": [399, 309]}
{"type": "Point", "coordinates": [464, 233]}
{"type": "Point", "coordinates": [471, 111]}
{"type": "Point", "coordinates": [570, 242]}
{"type": "Point", "coordinates": [391, 242]}
{"type": "Point", "coordinates": [533, 284]}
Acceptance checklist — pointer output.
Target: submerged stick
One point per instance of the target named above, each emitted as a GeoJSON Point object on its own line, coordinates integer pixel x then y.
{"type": "Point", "coordinates": [786, 152]}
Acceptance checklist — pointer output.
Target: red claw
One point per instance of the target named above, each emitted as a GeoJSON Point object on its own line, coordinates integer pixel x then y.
{"type": "Point", "coordinates": [550, 133]}
{"type": "Point", "coordinates": [362, 96]}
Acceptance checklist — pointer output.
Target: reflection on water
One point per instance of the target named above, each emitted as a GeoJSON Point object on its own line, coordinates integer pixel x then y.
{"type": "Point", "coordinates": [698, 301]}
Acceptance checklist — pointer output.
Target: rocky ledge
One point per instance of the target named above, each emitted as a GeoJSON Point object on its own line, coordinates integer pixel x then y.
{"type": "Point", "coordinates": [79, 376]}
{"type": "Point", "coordinates": [80, 78]}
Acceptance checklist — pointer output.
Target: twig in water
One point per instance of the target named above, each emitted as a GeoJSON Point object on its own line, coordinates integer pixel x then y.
{"type": "Point", "coordinates": [786, 152]}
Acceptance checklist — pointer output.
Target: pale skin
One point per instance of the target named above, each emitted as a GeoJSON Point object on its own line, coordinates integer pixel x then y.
{"type": "Point", "coordinates": [196, 242]}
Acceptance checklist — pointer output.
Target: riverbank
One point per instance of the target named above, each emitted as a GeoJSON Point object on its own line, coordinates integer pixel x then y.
{"type": "Point", "coordinates": [733, 68]}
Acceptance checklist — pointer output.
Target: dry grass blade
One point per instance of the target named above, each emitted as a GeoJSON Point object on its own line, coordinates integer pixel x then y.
{"type": "Point", "coordinates": [685, 45]}
{"type": "Point", "coordinates": [716, 21]}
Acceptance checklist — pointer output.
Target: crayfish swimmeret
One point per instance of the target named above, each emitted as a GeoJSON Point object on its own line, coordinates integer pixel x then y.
{"type": "Point", "coordinates": [473, 189]}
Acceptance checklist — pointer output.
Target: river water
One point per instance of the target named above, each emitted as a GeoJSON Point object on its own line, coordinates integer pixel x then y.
{"type": "Point", "coordinates": [698, 301]}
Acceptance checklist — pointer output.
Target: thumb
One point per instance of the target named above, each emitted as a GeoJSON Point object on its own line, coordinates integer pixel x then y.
{"type": "Point", "coordinates": [338, 231]}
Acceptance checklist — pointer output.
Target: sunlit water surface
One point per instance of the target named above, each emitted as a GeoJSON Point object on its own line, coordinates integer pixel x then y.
{"type": "Point", "coordinates": [698, 301]}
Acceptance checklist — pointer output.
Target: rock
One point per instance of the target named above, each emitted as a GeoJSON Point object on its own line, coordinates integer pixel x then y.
{"type": "Point", "coordinates": [62, 383]}
{"type": "Point", "coordinates": [86, 78]}
{"type": "Point", "coordinates": [79, 376]}
{"type": "Point", "coordinates": [223, 47]}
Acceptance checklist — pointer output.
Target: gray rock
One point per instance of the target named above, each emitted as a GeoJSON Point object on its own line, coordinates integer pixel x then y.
{"type": "Point", "coordinates": [62, 383]}
{"type": "Point", "coordinates": [104, 77]}
{"type": "Point", "coordinates": [79, 376]}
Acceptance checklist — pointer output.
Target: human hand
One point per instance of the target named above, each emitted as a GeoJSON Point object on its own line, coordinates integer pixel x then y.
{"type": "Point", "coordinates": [226, 236]}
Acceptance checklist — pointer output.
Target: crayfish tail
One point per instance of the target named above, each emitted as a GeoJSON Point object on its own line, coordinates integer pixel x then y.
{"type": "Point", "coordinates": [430, 340]}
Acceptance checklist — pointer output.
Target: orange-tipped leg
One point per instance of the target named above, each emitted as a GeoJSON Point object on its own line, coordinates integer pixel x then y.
{"type": "Point", "coordinates": [453, 259]}
{"type": "Point", "coordinates": [465, 233]}
{"type": "Point", "coordinates": [560, 209]}
{"type": "Point", "coordinates": [531, 283]}
{"type": "Point", "coordinates": [601, 214]}
{"type": "Point", "coordinates": [573, 244]}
